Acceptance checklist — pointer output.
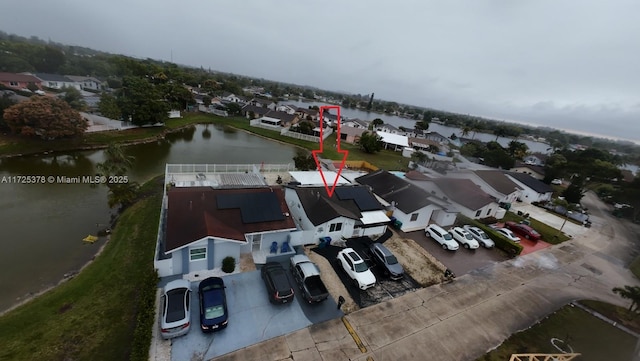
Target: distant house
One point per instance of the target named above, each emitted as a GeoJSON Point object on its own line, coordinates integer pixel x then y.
{"type": "Point", "coordinates": [286, 119]}
{"type": "Point", "coordinates": [303, 113]}
{"type": "Point", "coordinates": [232, 98]}
{"type": "Point", "coordinates": [352, 211]}
{"type": "Point", "coordinates": [355, 123]}
{"type": "Point", "coordinates": [538, 159]}
{"type": "Point", "coordinates": [287, 108]}
{"type": "Point", "coordinates": [329, 119]}
{"type": "Point", "coordinates": [426, 144]}
{"type": "Point", "coordinates": [414, 207]}
{"type": "Point", "coordinates": [201, 226]}
{"type": "Point", "coordinates": [86, 82]}
{"type": "Point", "coordinates": [351, 135]}
{"type": "Point", "coordinates": [533, 190]}
{"type": "Point", "coordinates": [55, 81]}
{"type": "Point", "coordinates": [435, 136]}
{"type": "Point", "coordinates": [415, 133]}
{"type": "Point", "coordinates": [393, 141]}
{"type": "Point", "coordinates": [257, 112]}
{"type": "Point", "coordinates": [536, 171]}
{"type": "Point", "coordinates": [262, 102]}
{"type": "Point", "coordinates": [19, 81]}
{"type": "Point", "coordinates": [388, 128]}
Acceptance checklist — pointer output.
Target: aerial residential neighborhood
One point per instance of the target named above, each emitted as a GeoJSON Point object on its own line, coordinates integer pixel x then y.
{"type": "Point", "coordinates": [208, 215]}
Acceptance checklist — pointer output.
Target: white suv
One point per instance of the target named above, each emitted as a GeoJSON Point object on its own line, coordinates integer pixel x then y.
{"type": "Point", "coordinates": [356, 268]}
{"type": "Point", "coordinates": [464, 238]}
{"type": "Point", "coordinates": [441, 236]}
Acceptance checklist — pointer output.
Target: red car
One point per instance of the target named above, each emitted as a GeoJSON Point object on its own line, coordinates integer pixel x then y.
{"type": "Point", "coordinates": [524, 230]}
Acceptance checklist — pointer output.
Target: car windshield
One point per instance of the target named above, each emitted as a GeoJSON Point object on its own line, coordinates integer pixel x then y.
{"type": "Point", "coordinates": [213, 312]}
{"type": "Point", "coordinates": [360, 267]}
{"type": "Point", "coordinates": [447, 236]}
{"type": "Point", "coordinates": [175, 307]}
{"type": "Point", "coordinates": [483, 235]}
{"type": "Point", "coordinates": [392, 259]}
{"type": "Point", "coordinates": [468, 236]}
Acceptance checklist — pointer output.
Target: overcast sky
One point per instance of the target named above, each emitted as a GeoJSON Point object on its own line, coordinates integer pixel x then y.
{"type": "Point", "coordinates": [565, 64]}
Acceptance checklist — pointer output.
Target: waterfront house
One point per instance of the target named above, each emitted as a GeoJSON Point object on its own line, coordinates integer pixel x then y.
{"type": "Point", "coordinates": [19, 81]}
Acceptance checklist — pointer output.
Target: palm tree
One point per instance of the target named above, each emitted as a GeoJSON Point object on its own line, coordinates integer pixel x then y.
{"type": "Point", "coordinates": [465, 131]}
{"type": "Point", "coordinates": [630, 293]}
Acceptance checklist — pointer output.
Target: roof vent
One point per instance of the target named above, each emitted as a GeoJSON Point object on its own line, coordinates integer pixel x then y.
{"type": "Point", "coordinates": [190, 205]}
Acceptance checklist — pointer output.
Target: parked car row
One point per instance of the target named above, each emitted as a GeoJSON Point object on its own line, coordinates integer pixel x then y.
{"type": "Point", "coordinates": [358, 270]}
{"type": "Point", "coordinates": [176, 302]}
{"type": "Point", "coordinates": [468, 236]}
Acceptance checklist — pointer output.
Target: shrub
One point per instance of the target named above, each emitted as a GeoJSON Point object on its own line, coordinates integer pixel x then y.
{"type": "Point", "coordinates": [228, 264]}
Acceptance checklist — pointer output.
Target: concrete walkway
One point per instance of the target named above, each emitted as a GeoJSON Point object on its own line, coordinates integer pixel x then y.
{"type": "Point", "coordinates": [464, 319]}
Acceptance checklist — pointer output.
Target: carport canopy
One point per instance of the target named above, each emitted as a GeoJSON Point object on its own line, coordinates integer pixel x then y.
{"type": "Point", "coordinates": [373, 217]}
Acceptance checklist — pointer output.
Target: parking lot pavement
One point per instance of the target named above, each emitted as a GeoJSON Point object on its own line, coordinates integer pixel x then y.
{"type": "Point", "coordinates": [384, 289]}
{"type": "Point", "coordinates": [461, 261]}
{"type": "Point", "coordinates": [252, 319]}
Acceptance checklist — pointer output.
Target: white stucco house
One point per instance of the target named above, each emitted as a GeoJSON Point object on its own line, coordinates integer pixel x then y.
{"type": "Point", "coordinates": [493, 182]}
{"type": "Point", "coordinates": [533, 190]}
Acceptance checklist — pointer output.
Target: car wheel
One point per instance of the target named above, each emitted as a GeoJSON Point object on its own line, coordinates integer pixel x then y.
{"type": "Point", "coordinates": [466, 246]}
{"type": "Point", "coordinates": [444, 246]}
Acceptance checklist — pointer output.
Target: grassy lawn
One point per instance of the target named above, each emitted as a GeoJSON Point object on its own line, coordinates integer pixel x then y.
{"type": "Point", "coordinates": [104, 313]}
{"type": "Point", "coordinates": [549, 234]}
{"type": "Point", "coordinates": [594, 339]}
{"type": "Point", "coordinates": [619, 314]}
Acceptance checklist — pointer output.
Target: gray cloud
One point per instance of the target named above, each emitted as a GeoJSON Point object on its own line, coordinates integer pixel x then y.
{"type": "Point", "coordinates": [548, 62]}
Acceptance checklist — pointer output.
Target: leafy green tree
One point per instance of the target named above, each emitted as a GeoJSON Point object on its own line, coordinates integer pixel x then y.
{"type": "Point", "coordinates": [305, 127]}
{"type": "Point", "coordinates": [74, 98]}
{"type": "Point", "coordinates": [48, 60]}
{"type": "Point", "coordinates": [117, 164]}
{"type": "Point", "coordinates": [517, 150]}
{"type": "Point", "coordinates": [631, 293]}
{"type": "Point", "coordinates": [44, 117]}
{"type": "Point", "coordinates": [554, 167]}
{"type": "Point", "coordinates": [500, 131]}
{"type": "Point", "coordinates": [234, 108]}
{"type": "Point", "coordinates": [6, 101]}
{"type": "Point", "coordinates": [370, 142]}
{"type": "Point", "coordinates": [141, 101]}
{"type": "Point", "coordinates": [575, 190]}
{"type": "Point", "coordinates": [177, 96]}
{"type": "Point", "coordinates": [422, 125]}
{"type": "Point", "coordinates": [418, 157]}
{"type": "Point", "coordinates": [376, 122]}
{"type": "Point", "coordinates": [498, 158]}
{"type": "Point", "coordinates": [303, 160]}
{"type": "Point", "coordinates": [108, 106]}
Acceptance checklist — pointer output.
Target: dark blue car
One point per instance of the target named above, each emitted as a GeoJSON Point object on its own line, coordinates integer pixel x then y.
{"type": "Point", "coordinates": [213, 304]}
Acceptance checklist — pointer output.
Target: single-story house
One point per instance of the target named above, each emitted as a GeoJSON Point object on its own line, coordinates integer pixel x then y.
{"type": "Point", "coordinates": [388, 128]}
{"type": "Point", "coordinates": [232, 98]}
{"type": "Point", "coordinates": [262, 102]}
{"type": "Point", "coordinates": [257, 112]}
{"type": "Point", "coordinates": [286, 119]}
{"type": "Point", "coordinates": [355, 123]}
{"type": "Point", "coordinates": [426, 144]}
{"type": "Point", "coordinates": [533, 190]}
{"type": "Point", "coordinates": [493, 182]}
{"type": "Point", "coordinates": [536, 171]}
{"type": "Point", "coordinates": [351, 134]}
{"type": "Point", "coordinates": [19, 81]}
{"type": "Point", "coordinates": [414, 133]}
{"type": "Point", "coordinates": [393, 141]}
{"type": "Point", "coordinates": [303, 113]}
{"type": "Point", "coordinates": [287, 108]}
{"type": "Point", "coordinates": [436, 137]}
{"type": "Point", "coordinates": [411, 205]}
{"type": "Point", "coordinates": [352, 211]}
{"type": "Point", "coordinates": [536, 159]}
{"type": "Point", "coordinates": [200, 226]}
{"type": "Point", "coordinates": [86, 82]}
{"type": "Point", "coordinates": [55, 81]}
{"type": "Point", "coordinates": [466, 196]}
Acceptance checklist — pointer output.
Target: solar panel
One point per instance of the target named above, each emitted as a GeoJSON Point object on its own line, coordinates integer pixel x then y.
{"type": "Point", "coordinates": [254, 207]}
{"type": "Point", "coordinates": [364, 200]}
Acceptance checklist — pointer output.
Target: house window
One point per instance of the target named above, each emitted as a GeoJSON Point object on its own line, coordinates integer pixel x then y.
{"type": "Point", "coordinates": [13, 83]}
{"type": "Point", "coordinates": [335, 227]}
{"type": "Point", "coordinates": [197, 254]}
{"type": "Point", "coordinates": [414, 217]}
{"type": "Point", "coordinates": [478, 213]}
{"type": "Point", "coordinates": [488, 211]}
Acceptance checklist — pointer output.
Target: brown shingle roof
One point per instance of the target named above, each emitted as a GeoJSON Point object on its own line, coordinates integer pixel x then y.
{"type": "Point", "coordinates": [463, 192]}
{"type": "Point", "coordinates": [24, 78]}
{"type": "Point", "coordinates": [498, 181]}
{"type": "Point", "coordinates": [193, 213]}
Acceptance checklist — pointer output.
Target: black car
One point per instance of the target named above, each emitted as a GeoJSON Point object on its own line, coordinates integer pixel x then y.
{"type": "Point", "coordinates": [214, 314]}
{"type": "Point", "coordinates": [385, 259]}
{"type": "Point", "coordinates": [277, 282]}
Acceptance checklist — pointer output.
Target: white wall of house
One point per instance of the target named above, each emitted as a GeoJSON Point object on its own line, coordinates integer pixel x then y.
{"type": "Point", "coordinates": [336, 228]}
{"type": "Point", "coordinates": [278, 237]}
{"type": "Point", "coordinates": [420, 218]}
{"type": "Point", "coordinates": [297, 211]}
{"type": "Point", "coordinates": [225, 249]}
{"type": "Point", "coordinates": [487, 211]}
{"type": "Point", "coordinates": [529, 195]}
{"type": "Point", "coordinates": [443, 218]}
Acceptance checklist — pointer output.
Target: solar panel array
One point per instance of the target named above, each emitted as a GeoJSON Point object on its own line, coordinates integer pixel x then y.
{"type": "Point", "coordinates": [254, 207]}
{"type": "Point", "coordinates": [364, 200]}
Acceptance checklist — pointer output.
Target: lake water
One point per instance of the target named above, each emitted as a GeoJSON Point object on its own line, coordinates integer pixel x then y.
{"type": "Point", "coordinates": [43, 224]}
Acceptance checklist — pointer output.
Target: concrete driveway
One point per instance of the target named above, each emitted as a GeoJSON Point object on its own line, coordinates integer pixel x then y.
{"type": "Point", "coordinates": [252, 319]}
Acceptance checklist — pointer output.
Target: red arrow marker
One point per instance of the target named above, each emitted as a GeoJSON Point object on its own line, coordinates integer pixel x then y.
{"type": "Point", "coordinates": [330, 187]}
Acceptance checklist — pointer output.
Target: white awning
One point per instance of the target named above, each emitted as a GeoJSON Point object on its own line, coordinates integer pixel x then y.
{"type": "Point", "coordinates": [374, 217]}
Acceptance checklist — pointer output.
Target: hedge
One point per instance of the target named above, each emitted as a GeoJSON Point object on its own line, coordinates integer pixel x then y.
{"type": "Point", "coordinates": [512, 248]}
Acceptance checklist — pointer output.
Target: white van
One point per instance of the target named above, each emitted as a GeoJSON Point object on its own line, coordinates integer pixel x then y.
{"type": "Point", "coordinates": [441, 236]}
